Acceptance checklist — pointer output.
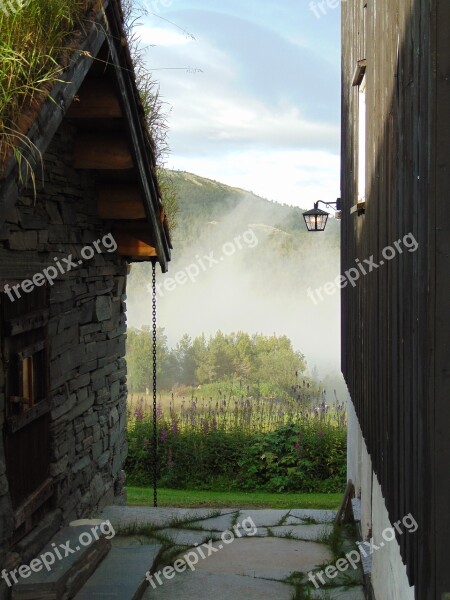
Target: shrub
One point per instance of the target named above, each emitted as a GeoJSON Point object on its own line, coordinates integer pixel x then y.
{"type": "Point", "coordinates": [307, 456]}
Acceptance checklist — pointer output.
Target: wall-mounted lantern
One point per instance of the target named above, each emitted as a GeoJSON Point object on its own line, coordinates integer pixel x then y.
{"type": "Point", "coordinates": [316, 219]}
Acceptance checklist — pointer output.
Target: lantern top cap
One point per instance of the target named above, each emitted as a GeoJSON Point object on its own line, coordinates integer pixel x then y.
{"type": "Point", "coordinates": [315, 211]}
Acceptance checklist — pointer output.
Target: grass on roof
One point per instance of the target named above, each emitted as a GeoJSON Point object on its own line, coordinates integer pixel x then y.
{"type": "Point", "coordinates": [34, 39]}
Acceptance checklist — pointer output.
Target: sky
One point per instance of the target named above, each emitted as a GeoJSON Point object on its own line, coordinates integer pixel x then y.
{"type": "Point", "coordinates": [252, 90]}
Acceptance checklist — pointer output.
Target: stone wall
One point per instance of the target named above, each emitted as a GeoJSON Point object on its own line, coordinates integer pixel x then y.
{"type": "Point", "coordinates": [86, 340]}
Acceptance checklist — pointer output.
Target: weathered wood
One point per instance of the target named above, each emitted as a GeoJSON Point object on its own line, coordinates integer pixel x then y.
{"type": "Point", "coordinates": [344, 515]}
{"type": "Point", "coordinates": [34, 320]}
{"type": "Point", "coordinates": [17, 266]}
{"type": "Point", "coordinates": [439, 407]}
{"type": "Point", "coordinates": [127, 89]}
{"type": "Point", "coordinates": [102, 152]}
{"type": "Point", "coordinates": [96, 99]}
{"type": "Point", "coordinates": [360, 70]}
{"type": "Point", "coordinates": [17, 422]}
{"type": "Point", "coordinates": [139, 229]}
{"type": "Point", "coordinates": [395, 326]}
{"type": "Point", "coordinates": [129, 245]}
{"type": "Point", "coordinates": [134, 239]}
{"type": "Point", "coordinates": [120, 201]}
{"type": "Point", "coordinates": [33, 502]}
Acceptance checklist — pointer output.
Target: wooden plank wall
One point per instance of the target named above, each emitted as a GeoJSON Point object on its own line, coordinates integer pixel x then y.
{"type": "Point", "coordinates": [388, 319]}
{"type": "Point", "coordinates": [441, 325]}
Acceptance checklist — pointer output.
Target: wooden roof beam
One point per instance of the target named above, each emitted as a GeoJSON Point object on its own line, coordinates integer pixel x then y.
{"type": "Point", "coordinates": [96, 99]}
{"type": "Point", "coordinates": [133, 240]}
{"type": "Point", "coordinates": [120, 201]}
{"type": "Point", "coordinates": [102, 152]}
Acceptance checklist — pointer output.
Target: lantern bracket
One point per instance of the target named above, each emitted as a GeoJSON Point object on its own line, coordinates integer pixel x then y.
{"type": "Point", "coordinates": [336, 205]}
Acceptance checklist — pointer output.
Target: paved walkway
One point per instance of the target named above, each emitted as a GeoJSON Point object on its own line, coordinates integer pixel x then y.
{"type": "Point", "coordinates": [235, 554]}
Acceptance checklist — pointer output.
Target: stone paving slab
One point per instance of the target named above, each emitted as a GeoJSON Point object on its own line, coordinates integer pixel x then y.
{"type": "Point", "coordinates": [260, 532]}
{"type": "Point", "coordinates": [222, 523]}
{"type": "Point", "coordinates": [320, 516]}
{"type": "Point", "coordinates": [240, 534]}
{"type": "Point", "coordinates": [125, 541]}
{"type": "Point", "coordinates": [266, 558]}
{"type": "Point", "coordinates": [263, 517]}
{"type": "Point", "coordinates": [121, 576]}
{"type": "Point", "coordinates": [211, 586]}
{"type": "Point", "coordinates": [250, 567]}
{"type": "Point", "coordinates": [127, 516]}
{"type": "Point", "coordinates": [303, 532]}
{"type": "Point", "coordinates": [341, 593]}
{"type": "Point", "coordinates": [66, 575]}
{"type": "Point", "coordinates": [186, 537]}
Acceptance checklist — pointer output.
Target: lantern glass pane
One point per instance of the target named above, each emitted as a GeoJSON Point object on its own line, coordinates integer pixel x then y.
{"type": "Point", "coordinates": [309, 222]}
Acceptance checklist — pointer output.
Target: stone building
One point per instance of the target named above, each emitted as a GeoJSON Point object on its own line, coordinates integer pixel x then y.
{"type": "Point", "coordinates": [65, 246]}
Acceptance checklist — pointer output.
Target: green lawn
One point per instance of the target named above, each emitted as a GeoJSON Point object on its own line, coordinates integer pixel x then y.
{"type": "Point", "coordinates": [138, 496]}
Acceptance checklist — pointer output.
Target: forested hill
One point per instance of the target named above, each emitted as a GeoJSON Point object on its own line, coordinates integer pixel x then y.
{"type": "Point", "coordinates": [205, 203]}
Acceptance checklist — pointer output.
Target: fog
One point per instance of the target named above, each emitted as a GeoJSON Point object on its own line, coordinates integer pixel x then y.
{"type": "Point", "coordinates": [248, 271]}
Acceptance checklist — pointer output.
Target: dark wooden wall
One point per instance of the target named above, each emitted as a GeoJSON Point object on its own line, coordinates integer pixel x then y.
{"type": "Point", "coordinates": [440, 188]}
{"type": "Point", "coordinates": [396, 326]}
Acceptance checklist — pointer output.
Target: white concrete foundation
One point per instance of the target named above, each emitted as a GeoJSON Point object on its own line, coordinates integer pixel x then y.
{"type": "Point", "coordinates": [389, 579]}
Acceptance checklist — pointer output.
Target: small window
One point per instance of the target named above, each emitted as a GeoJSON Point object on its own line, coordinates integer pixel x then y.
{"type": "Point", "coordinates": [29, 379]}
{"type": "Point", "coordinates": [27, 384]}
{"type": "Point", "coordinates": [362, 142]}
{"type": "Point", "coordinates": [25, 354]}
{"type": "Point", "coordinates": [359, 81]}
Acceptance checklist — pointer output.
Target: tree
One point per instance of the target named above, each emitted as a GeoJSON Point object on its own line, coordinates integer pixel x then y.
{"type": "Point", "coordinates": [140, 360]}
{"type": "Point", "coordinates": [187, 364]}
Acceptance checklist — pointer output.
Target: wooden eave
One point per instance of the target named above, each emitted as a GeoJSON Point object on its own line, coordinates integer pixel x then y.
{"type": "Point", "coordinates": [136, 216]}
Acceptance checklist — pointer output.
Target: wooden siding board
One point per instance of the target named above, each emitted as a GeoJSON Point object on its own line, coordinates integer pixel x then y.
{"type": "Point", "coordinates": [442, 322]}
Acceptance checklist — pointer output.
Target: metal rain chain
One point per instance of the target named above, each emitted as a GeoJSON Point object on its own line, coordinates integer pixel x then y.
{"type": "Point", "coordinates": [155, 415]}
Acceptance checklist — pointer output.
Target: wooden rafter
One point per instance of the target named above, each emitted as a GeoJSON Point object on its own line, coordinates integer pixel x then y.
{"type": "Point", "coordinates": [120, 201]}
{"type": "Point", "coordinates": [102, 152]}
{"type": "Point", "coordinates": [97, 99]}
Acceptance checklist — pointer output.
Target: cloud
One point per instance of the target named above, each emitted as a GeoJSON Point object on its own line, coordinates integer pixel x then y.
{"type": "Point", "coordinates": [161, 36]}
{"type": "Point", "coordinates": [233, 122]}
{"type": "Point", "coordinates": [236, 54]}
{"type": "Point", "coordinates": [257, 90]}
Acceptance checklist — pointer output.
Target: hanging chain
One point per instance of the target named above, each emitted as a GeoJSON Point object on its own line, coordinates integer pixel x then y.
{"type": "Point", "coordinates": [155, 415]}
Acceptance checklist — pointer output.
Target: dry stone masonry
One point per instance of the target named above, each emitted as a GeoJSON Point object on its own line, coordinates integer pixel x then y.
{"type": "Point", "coordinates": [85, 343]}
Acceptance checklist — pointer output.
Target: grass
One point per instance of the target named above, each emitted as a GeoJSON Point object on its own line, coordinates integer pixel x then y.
{"type": "Point", "coordinates": [37, 39]}
{"type": "Point", "coordinates": [34, 45]}
{"type": "Point", "coordinates": [138, 496]}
